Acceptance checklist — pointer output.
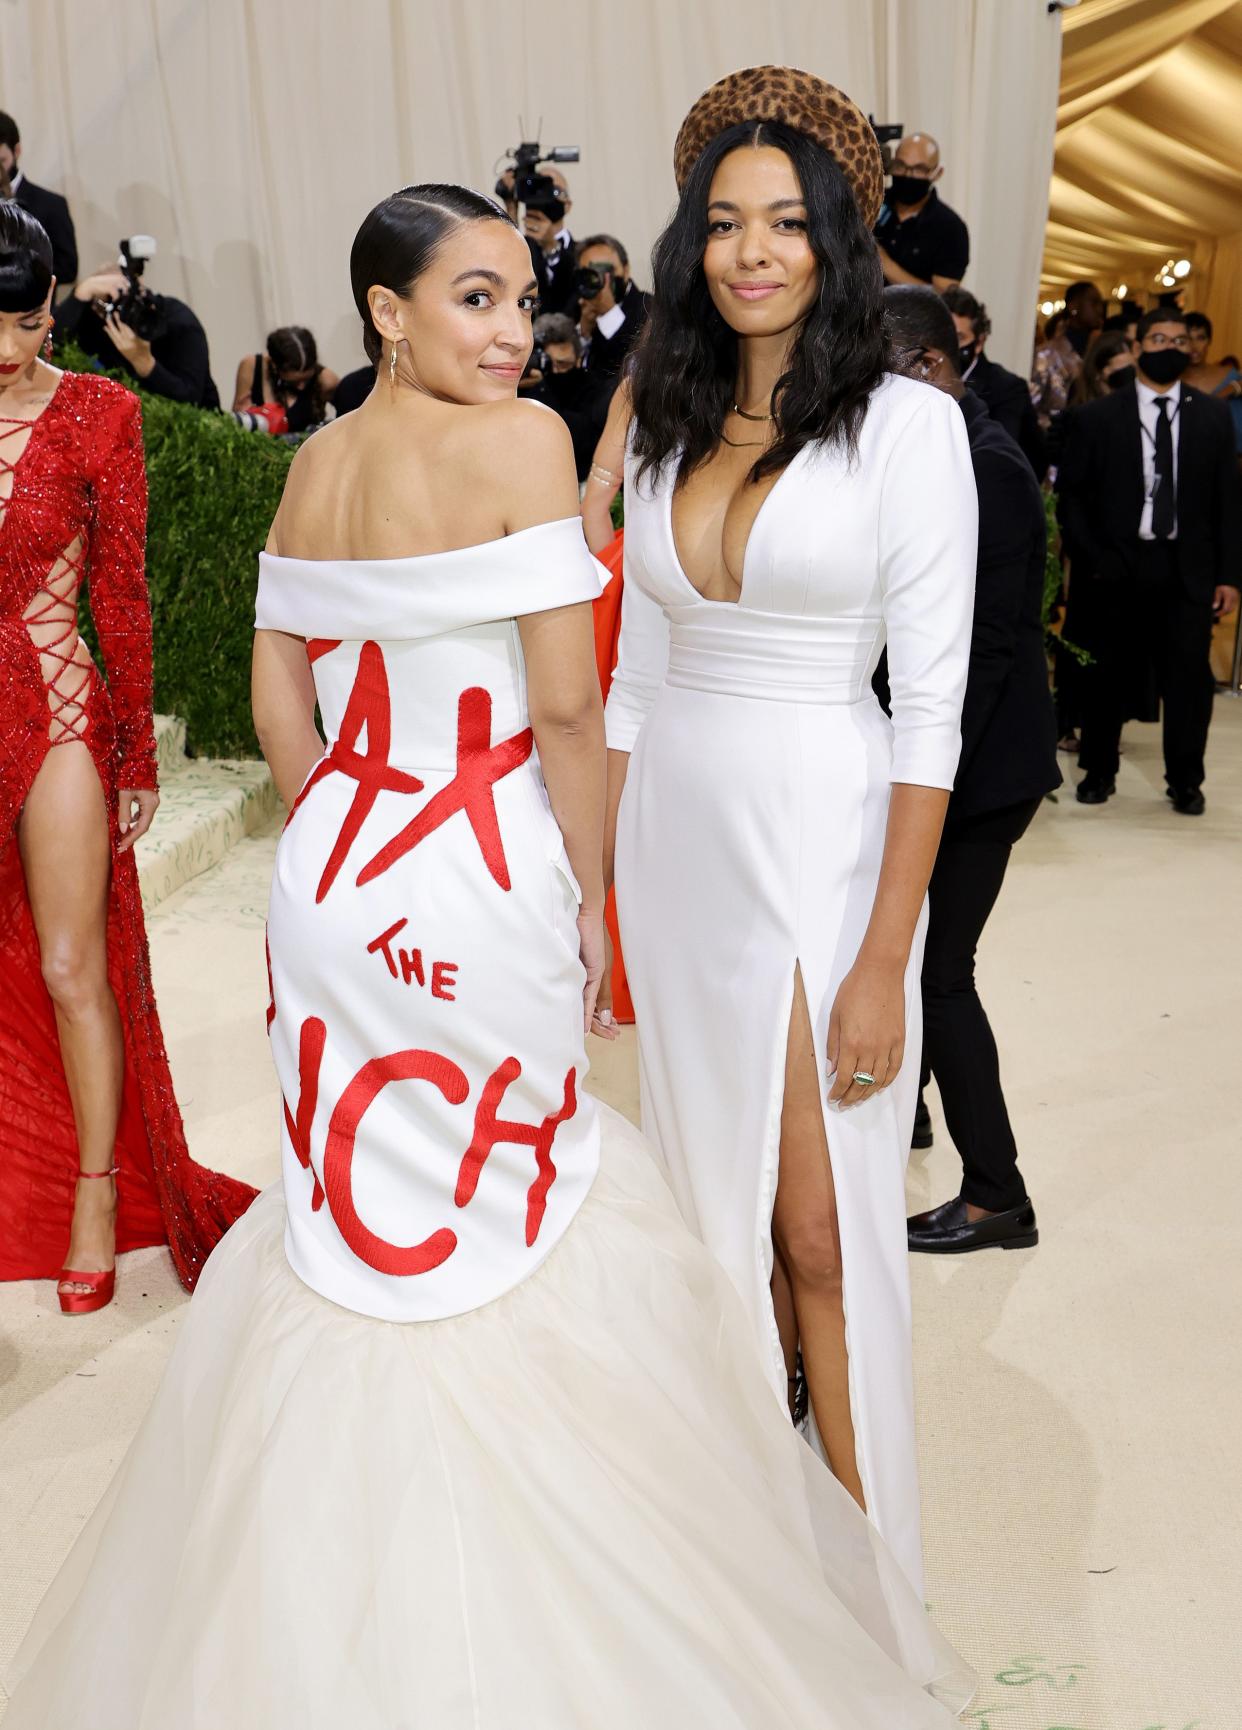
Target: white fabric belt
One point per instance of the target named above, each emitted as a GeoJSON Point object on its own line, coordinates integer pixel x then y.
{"type": "Point", "coordinates": [764, 656]}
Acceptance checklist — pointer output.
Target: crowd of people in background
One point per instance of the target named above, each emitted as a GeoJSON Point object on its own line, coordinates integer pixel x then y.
{"type": "Point", "coordinates": [1133, 653]}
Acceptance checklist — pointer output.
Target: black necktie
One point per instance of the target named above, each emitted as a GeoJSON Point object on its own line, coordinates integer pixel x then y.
{"type": "Point", "coordinates": [1164, 505]}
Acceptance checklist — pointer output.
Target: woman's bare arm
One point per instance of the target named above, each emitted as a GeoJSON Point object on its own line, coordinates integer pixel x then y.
{"type": "Point", "coordinates": [567, 718]}
{"type": "Point", "coordinates": [282, 698]}
{"type": "Point", "coordinates": [604, 480]}
{"type": "Point", "coordinates": [244, 388]}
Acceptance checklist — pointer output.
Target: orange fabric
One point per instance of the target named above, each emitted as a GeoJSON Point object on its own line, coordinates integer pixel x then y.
{"type": "Point", "coordinates": [607, 635]}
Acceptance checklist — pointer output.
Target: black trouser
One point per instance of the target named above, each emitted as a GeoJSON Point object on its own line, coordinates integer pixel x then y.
{"type": "Point", "coordinates": [1150, 625]}
{"type": "Point", "coordinates": [958, 1047]}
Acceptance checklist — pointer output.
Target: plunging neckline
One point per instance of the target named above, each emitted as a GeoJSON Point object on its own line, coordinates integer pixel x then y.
{"type": "Point", "coordinates": [680, 569]}
{"type": "Point", "coordinates": [17, 421]}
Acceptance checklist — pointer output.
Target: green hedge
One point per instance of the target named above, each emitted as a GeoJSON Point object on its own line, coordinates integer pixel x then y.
{"type": "Point", "coordinates": [214, 491]}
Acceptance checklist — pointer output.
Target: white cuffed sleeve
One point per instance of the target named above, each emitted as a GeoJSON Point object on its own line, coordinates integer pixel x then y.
{"type": "Point", "coordinates": [928, 540]}
{"type": "Point", "coordinates": [642, 661]}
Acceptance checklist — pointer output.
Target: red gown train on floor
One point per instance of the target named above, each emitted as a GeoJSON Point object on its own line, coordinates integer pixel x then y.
{"type": "Point", "coordinates": [78, 509]}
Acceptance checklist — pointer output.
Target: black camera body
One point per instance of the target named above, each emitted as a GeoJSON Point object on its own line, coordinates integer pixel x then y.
{"type": "Point", "coordinates": [589, 279]}
{"type": "Point", "coordinates": [529, 186]}
{"type": "Point", "coordinates": [141, 310]}
{"type": "Point", "coordinates": [540, 360]}
{"type": "Point", "coordinates": [887, 134]}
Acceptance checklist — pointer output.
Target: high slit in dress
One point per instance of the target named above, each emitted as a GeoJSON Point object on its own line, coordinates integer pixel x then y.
{"type": "Point", "coordinates": [463, 1429]}
{"type": "Point", "coordinates": [76, 511]}
{"type": "Point", "coordinates": [749, 843]}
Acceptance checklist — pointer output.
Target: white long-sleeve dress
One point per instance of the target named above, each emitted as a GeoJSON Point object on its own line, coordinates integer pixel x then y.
{"type": "Point", "coordinates": [749, 843]}
{"type": "Point", "coordinates": [454, 1436]}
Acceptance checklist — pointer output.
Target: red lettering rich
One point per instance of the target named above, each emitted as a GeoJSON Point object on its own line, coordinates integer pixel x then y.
{"type": "Point", "coordinates": [338, 1159]}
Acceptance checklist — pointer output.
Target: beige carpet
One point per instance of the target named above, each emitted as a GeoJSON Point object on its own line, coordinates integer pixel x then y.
{"type": "Point", "coordinates": [1079, 1404]}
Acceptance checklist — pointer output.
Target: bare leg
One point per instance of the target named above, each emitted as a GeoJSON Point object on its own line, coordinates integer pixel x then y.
{"type": "Point", "coordinates": [66, 855]}
{"type": "Point", "coordinates": [808, 1237]}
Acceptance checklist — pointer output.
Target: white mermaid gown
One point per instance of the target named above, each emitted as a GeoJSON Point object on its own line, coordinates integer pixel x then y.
{"type": "Point", "coordinates": [749, 844]}
{"type": "Point", "coordinates": [463, 1430]}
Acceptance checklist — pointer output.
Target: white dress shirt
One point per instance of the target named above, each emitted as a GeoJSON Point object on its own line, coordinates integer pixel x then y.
{"type": "Point", "coordinates": [1149, 416]}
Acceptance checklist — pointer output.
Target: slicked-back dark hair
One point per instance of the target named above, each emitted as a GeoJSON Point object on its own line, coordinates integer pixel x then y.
{"type": "Point", "coordinates": [9, 133]}
{"type": "Point", "coordinates": [1160, 315]}
{"type": "Point", "coordinates": [686, 367]}
{"type": "Point", "coordinates": [400, 238]}
{"type": "Point", "coordinates": [609, 240]}
{"type": "Point", "coordinates": [25, 260]}
{"type": "Point", "coordinates": [963, 304]}
{"type": "Point", "coordinates": [918, 318]}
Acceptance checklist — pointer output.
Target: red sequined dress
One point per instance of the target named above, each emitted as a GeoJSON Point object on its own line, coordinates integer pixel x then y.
{"type": "Point", "coordinates": [75, 509]}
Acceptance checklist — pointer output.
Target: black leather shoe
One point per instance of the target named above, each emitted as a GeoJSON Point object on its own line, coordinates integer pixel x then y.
{"type": "Point", "coordinates": [1094, 791]}
{"type": "Point", "coordinates": [1188, 800]}
{"type": "Point", "coordinates": [946, 1230]}
{"type": "Point", "coordinates": [922, 1136]}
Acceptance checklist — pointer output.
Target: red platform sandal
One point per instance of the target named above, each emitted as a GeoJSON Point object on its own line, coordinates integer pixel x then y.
{"type": "Point", "coordinates": [103, 1285]}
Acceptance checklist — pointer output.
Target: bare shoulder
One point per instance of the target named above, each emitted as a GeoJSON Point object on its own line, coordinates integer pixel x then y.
{"type": "Point", "coordinates": [524, 452]}
{"type": "Point", "coordinates": [526, 430]}
{"type": "Point", "coordinates": [311, 461]}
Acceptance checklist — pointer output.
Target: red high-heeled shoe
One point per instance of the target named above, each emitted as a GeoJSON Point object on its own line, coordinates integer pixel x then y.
{"type": "Point", "coordinates": [103, 1285]}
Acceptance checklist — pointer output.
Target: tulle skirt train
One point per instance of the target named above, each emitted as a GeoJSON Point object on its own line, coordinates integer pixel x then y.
{"type": "Point", "coordinates": [576, 1508]}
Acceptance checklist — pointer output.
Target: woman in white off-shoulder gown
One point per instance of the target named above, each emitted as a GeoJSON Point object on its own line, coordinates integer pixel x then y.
{"type": "Point", "coordinates": [776, 831]}
{"type": "Point", "coordinates": [460, 1431]}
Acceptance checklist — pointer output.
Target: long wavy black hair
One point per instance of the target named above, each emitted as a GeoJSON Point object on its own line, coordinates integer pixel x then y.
{"type": "Point", "coordinates": [685, 370]}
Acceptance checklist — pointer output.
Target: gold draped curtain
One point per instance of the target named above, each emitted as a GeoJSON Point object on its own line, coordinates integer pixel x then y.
{"type": "Point", "coordinates": [1148, 162]}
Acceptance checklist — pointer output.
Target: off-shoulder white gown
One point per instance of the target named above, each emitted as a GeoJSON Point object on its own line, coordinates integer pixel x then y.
{"type": "Point", "coordinates": [463, 1429]}
{"type": "Point", "coordinates": [749, 843]}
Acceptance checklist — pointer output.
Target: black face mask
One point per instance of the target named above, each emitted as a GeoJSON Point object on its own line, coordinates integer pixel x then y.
{"type": "Point", "coordinates": [1164, 365]}
{"type": "Point", "coordinates": [967, 356]}
{"type": "Point", "coordinates": [1121, 376]}
{"type": "Point", "coordinates": [909, 189]}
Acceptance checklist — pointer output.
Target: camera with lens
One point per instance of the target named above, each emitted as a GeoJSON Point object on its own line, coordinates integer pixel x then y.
{"type": "Point", "coordinates": [137, 307]}
{"type": "Point", "coordinates": [538, 191]}
{"type": "Point", "coordinates": [263, 417]}
{"type": "Point", "coordinates": [592, 279]}
{"type": "Point", "coordinates": [887, 134]}
{"type": "Point", "coordinates": [540, 360]}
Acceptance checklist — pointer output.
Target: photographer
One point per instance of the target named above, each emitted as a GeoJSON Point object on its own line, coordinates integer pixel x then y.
{"type": "Point", "coordinates": [285, 390]}
{"type": "Point", "coordinates": [543, 223]}
{"type": "Point", "coordinates": [555, 376]}
{"type": "Point", "coordinates": [153, 337]}
{"type": "Point", "coordinates": [610, 310]}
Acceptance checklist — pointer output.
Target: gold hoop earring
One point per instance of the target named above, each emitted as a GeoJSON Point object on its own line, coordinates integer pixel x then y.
{"type": "Point", "coordinates": [392, 367]}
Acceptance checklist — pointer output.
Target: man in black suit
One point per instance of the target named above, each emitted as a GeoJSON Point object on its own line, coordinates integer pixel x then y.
{"type": "Point", "coordinates": [610, 310]}
{"type": "Point", "coordinates": [1151, 518]}
{"type": "Point", "coordinates": [552, 252]}
{"type": "Point", "coordinates": [1008, 763]}
{"type": "Point", "coordinates": [46, 207]}
{"type": "Point", "coordinates": [1007, 396]}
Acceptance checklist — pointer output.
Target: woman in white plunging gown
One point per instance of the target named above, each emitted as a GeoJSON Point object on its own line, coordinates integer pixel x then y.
{"type": "Point", "coordinates": [790, 508]}
{"type": "Point", "coordinates": [461, 1431]}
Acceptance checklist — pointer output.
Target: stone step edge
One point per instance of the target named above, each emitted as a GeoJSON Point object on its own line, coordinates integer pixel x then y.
{"type": "Point", "coordinates": [169, 744]}
{"type": "Point", "coordinates": [206, 808]}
